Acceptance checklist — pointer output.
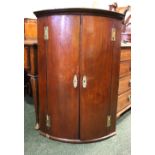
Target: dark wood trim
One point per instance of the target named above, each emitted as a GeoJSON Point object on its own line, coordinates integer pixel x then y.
{"type": "Point", "coordinates": [79, 11]}
{"type": "Point", "coordinates": [77, 140]}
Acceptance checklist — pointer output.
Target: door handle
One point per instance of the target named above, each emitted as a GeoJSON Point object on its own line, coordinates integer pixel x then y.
{"type": "Point", "coordinates": [84, 81]}
{"type": "Point", "coordinates": [75, 81]}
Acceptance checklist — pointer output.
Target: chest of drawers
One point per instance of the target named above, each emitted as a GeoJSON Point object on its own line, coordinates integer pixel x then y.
{"type": "Point", "coordinates": [124, 91]}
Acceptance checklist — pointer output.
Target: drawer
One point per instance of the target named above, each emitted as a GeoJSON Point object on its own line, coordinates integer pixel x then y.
{"type": "Point", "coordinates": [124, 84]}
{"type": "Point", "coordinates": [125, 54]}
{"type": "Point", "coordinates": [123, 101]}
{"type": "Point", "coordinates": [125, 68]}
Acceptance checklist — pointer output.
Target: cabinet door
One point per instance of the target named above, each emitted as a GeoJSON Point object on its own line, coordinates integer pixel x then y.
{"type": "Point", "coordinates": [96, 67]}
{"type": "Point", "coordinates": [62, 58]}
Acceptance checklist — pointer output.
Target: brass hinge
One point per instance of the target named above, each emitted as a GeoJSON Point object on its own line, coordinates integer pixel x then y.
{"type": "Point", "coordinates": [45, 32]}
{"type": "Point", "coordinates": [48, 121]}
{"type": "Point", "coordinates": [113, 34]}
{"type": "Point", "coordinates": [108, 120]}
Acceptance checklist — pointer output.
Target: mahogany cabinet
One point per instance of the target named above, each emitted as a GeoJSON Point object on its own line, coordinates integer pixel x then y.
{"type": "Point", "coordinates": [78, 72]}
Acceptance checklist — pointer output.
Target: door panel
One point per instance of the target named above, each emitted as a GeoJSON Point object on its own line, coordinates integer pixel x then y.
{"type": "Point", "coordinates": [96, 65]}
{"type": "Point", "coordinates": [42, 74]}
{"type": "Point", "coordinates": [115, 74]}
{"type": "Point", "coordinates": [62, 65]}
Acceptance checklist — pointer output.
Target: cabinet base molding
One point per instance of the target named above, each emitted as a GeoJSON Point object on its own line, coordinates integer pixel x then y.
{"type": "Point", "coordinates": [123, 111]}
{"type": "Point", "coordinates": [77, 140]}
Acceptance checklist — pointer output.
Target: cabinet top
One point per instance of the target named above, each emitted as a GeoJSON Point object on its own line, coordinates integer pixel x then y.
{"type": "Point", "coordinates": [79, 11]}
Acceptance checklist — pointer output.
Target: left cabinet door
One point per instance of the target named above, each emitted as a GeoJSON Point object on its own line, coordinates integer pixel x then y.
{"type": "Point", "coordinates": [59, 74]}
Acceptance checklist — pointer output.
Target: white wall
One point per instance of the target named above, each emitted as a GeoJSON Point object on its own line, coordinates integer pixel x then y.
{"type": "Point", "coordinates": [31, 6]}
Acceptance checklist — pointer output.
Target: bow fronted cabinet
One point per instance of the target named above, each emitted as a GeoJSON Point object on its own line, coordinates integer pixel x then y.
{"type": "Point", "coordinates": [78, 73]}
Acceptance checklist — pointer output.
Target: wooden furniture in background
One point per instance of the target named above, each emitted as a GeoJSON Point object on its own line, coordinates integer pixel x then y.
{"type": "Point", "coordinates": [30, 62]}
{"type": "Point", "coordinates": [124, 91]}
{"type": "Point", "coordinates": [30, 29]}
{"type": "Point", "coordinates": [78, 70]}
{"type": "Point", "coordinates": [30, 67]}
{"type": "Point", "coordinates": [126, 24]}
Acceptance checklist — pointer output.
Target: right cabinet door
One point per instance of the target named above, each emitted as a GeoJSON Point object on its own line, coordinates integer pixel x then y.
{"type": "Point", "coordinates": [96, 74]}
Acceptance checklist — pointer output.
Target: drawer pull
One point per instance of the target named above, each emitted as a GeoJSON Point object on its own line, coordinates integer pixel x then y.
{"type": "Point", "coordinates": [75, 81]}
{"type": "Point", "coordinates": [129, 98]}
{"type": "Point", "coordinates": [130, 68]}
{"type": "Point", "coordinates": [129, 84]}
{"type": "Point", "coordinates": [84, 81]}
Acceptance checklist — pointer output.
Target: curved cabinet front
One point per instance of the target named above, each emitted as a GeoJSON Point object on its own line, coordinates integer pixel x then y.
{"type": "Point", "coordinates": [78, 66]}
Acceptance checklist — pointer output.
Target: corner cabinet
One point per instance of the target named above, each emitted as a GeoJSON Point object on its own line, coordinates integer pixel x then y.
{"type": "Point", "coordinates": [78, 72]}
